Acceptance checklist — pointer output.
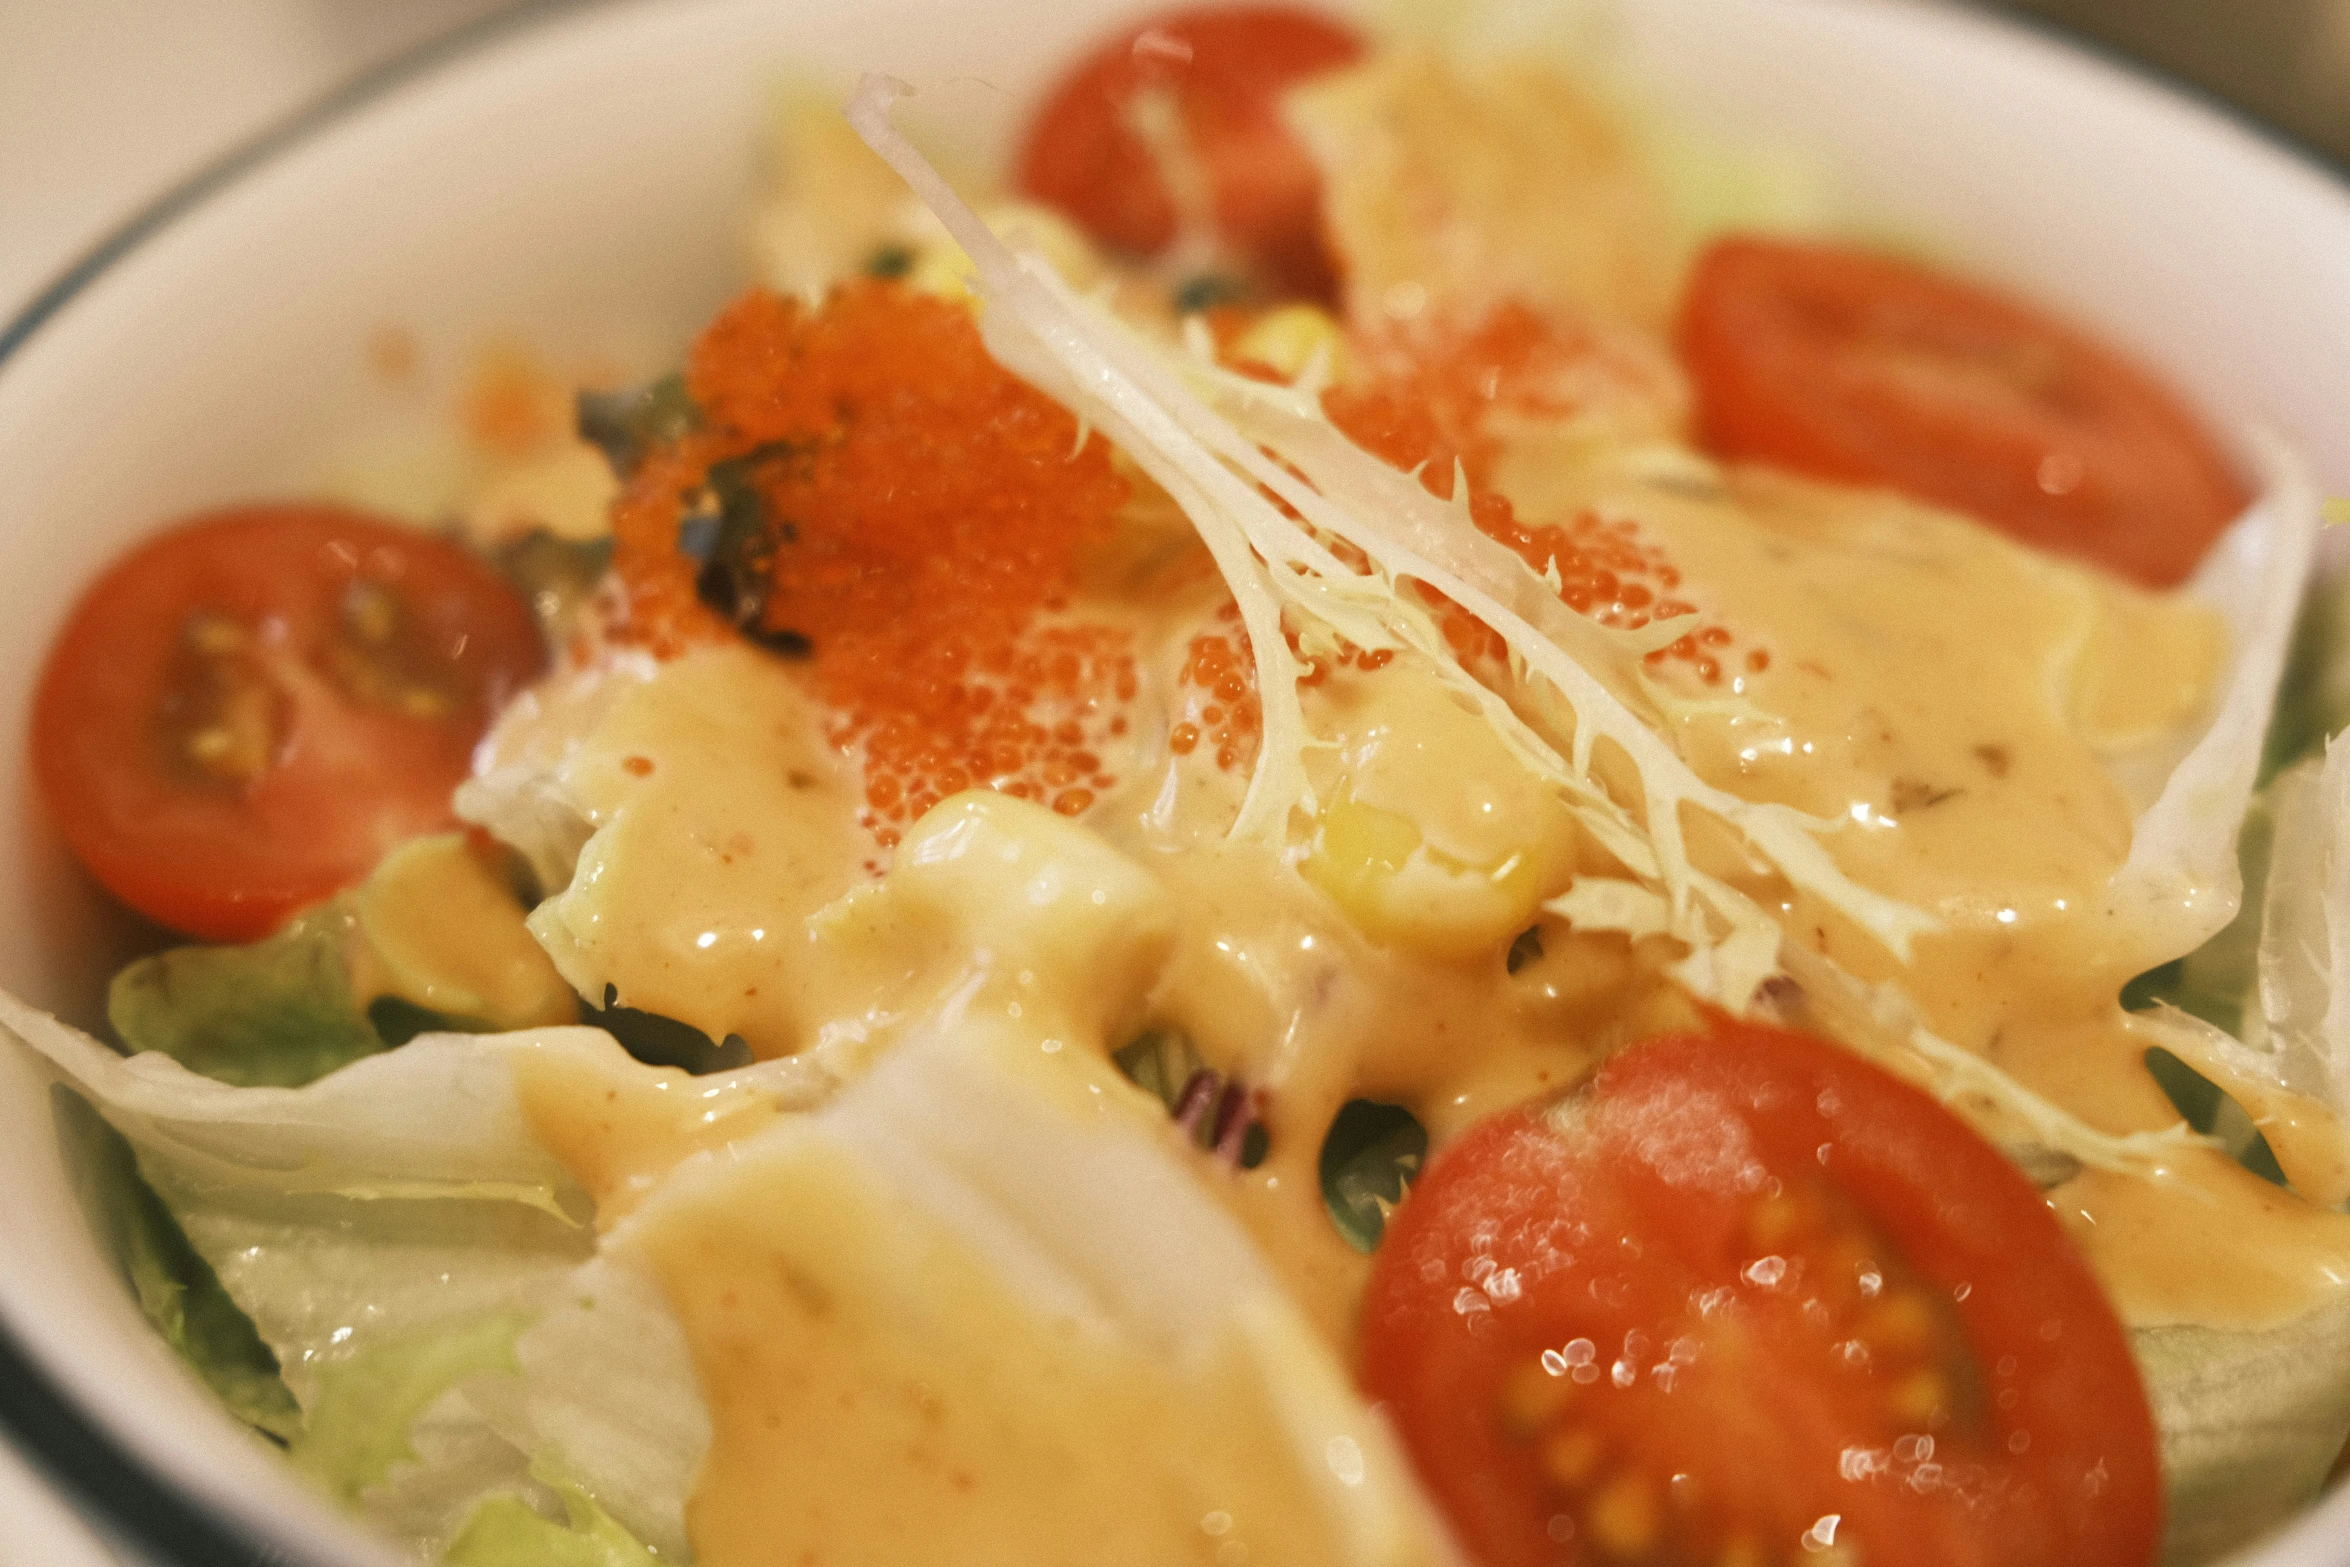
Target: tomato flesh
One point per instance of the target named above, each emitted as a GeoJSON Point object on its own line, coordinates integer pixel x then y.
{"type": "Point", "coordinates": [1747, 1299]}
{"type": "Point", "coordinates": [244, 713]}
{"type": "Point", "coordinates": [1873, 370]}
{"type": "Point", "coordinates": [1223, 70]}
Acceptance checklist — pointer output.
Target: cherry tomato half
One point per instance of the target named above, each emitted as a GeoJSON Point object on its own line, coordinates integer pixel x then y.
{"type": "Point", "coordinates": [1873, 370]}
{"type": "Point", "coordinates": [1223, 70]}
{"type": "Point", "coordinates": [1747, 1298]}
{"type": "Point", "coordinates": [245, 712]}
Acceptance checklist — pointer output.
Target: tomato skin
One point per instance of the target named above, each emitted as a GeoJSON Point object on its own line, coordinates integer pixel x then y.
{"type": "Point", "coordinates": [1645, 1208]}
{"type": "Point", "coordinates": [1872, 370]}
{"type": "Point", "coordinates": [344, 777]}
{"type": "Point", "coordinates": [1226, 68]}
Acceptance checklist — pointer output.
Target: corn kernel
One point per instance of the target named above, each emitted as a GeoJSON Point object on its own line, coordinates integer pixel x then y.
{"type": "Point", "coordinates": [1287, 340]}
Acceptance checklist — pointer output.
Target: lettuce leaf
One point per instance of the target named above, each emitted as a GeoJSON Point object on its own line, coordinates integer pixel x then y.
{"type": "Point", "coordinates": [2250, 1421]}
{"type": "Point", "coordinates": [276, 1013]}
{"type": "Point", "coordinates": [177, 1290]}
{"type": "Point", "coordinates": [505, 1532]}
{"type": "Point", "coordinates": [364, 1407]}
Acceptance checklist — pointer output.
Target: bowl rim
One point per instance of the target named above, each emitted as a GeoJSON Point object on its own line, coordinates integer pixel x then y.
{"type": "Point", "coordinates": [65, 1446]}
{"type": "Point", "coordinates": [61, 1443]}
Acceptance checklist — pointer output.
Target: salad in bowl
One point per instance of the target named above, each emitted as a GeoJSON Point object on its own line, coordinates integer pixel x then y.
{"type": "Point", "coordinates": [1396, 794]}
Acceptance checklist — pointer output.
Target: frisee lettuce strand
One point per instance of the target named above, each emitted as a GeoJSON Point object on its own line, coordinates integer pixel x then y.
{"type": "Point", "coordinates": [1213, 461]}
{"type": "Point", "coordinates": [1205, 435]}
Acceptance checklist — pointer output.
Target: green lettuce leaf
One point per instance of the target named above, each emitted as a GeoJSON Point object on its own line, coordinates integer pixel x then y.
{"type": "Point", "coordinates": [365, 1407]}
{"type": "Point", "coordinates": [504, 1531]}
{"type": "Point", "coordinates": [280, 1012]}
{"type": "Point", "coordinates": [177, 1290]}
{"type": "Point", "coordinates": [2250, 1421]}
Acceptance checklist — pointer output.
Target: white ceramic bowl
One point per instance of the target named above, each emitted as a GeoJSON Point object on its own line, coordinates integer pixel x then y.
{"type": "Point", "coordinates": [588, 167]}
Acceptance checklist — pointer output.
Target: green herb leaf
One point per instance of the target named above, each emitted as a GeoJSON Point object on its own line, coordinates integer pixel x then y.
{"type": "Point", "coordinates": [664, 1041]}
{"type": "Point", "coordinates": [177, 1290]}
{"type": "Point", "coordinates": [1369, 1160]}
{"type": "Point", "coordinates": [555, 576]}
{"type": "Point", "coordinates": [738, 568]}
{"type": "Point", "coordinates": [626, 425]}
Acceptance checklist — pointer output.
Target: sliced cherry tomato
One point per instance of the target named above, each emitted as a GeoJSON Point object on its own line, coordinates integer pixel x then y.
{"type": "Point", "coordinates": [1747, 1298]}
{"type": "Point", "coordinates": [1873, 370]}
{"type": "Point", "coordinates": [245, 712]}
{"type": "Point", "coordinates": [1223, 70]}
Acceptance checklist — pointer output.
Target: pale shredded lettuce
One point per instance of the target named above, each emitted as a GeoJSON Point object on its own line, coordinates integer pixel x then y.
{"type": "Point", "coordinates": [2181, 875]}
{"type": "Point", "coordinates": [389, 1229]}
{"type": "Point", "coordinates": [1218, 442]}
{"type": "Point", "coordinates": [1205, 437]}
{"type": "Point", "coordinates": [2291, 1048]}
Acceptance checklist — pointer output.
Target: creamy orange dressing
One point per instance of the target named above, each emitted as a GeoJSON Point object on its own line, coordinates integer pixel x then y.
{"type": "Point", "coordinates": [1971, 717]}
{"type": "Point", "coordinates": [848, 1312]}
{"type": "Point", "coordinates": [710, 776]}
{"type": "Point", "coordinates": [620, 1127]}
{"type": "Point", "coordinates": [1956, 703]}
{"type": "Point", "coordinates": [849, 1340]}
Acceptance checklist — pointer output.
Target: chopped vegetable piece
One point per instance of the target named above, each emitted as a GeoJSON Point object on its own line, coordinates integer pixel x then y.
{"type": "Point", "coordinates": [555, 576]}
{"type": "Point", "coordinates": [1874, 370]}
{"type": "Point", "coordinates": [664, 1041]}
{"type": "Point", "coordinates": [243, 714]}
{"type": "Point", "coordinates": [1176, 122]}
{"type": "Point", "coordinates": [362, 1418]}
{"type": "Point", "coordinates": [505, 1532]}
{"type": "Point", "coordinates": [625, 425]}
{"type": "Point", "coordinates": [1746, 1298]}
{"type": "Point", "coordinates": [1219, 1113]}
{"type": "Point", "coordinates": [1369, 1160]}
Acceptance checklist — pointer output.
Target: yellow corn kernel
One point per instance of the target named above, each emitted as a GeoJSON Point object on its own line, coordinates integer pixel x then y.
{"type": "Point", "coordinates": [944, 270]}
{"type": "Point", "coordinates": [1287, 340]}
{"type": "Point", "coordinates": [1399, 889]}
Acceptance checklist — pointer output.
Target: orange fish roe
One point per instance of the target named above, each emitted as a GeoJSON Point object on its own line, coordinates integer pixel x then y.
{"type": "Point", "coordinates": [1223, 669]}
{"type": "Point", "coordinates": [925, 510]}
{"type": "Point", "coordinates": [1228, 718]}
{"type": "Point", "coordinates": [1434, 406]}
